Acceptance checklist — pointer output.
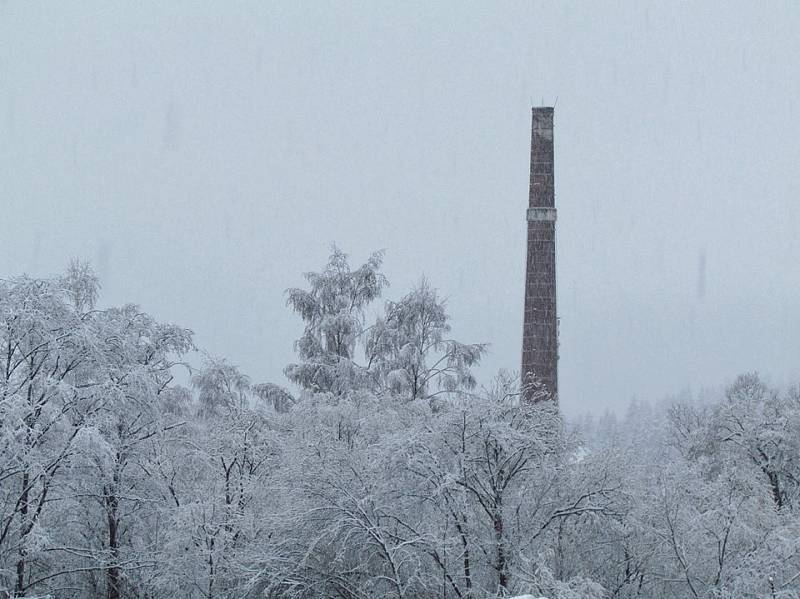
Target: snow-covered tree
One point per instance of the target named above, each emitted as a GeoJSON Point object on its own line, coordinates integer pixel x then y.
{"type": "Point", "coordinates": [221, 387]}
{"type": "Point", "coordinates": [47, 393]}
{"type": "Point", "coordinates": [274, 396]}
{"type": "Point", "coordinates": [117, 482]}
{"type": "Point", "coordinates": [410, 350]}
{"type": "Point", "coordinates": [333, 310]}
{"type": "Point", "coordinates": [138, 356]}
{"type": "Point", "coordinates": [407, 352]}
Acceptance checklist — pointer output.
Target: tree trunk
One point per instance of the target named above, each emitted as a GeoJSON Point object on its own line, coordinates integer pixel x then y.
{"type": "Point", "coordinates": [775, 486]}
{"type": "Point", "coordinates": [112, 515]}
{"type": "Point", "coordinates": [467, 566]}
{"type": "Point", "coordinates": [19, 589]}
{"type": "Point", "coordinates": [500, 564]}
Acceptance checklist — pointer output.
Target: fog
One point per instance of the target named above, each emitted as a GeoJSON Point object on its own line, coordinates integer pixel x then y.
{"type": "Point", "coordinates": [203, 156]}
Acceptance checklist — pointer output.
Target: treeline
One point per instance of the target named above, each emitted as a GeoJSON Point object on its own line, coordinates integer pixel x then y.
{"type": "Point", "coordinates": [390, 473]}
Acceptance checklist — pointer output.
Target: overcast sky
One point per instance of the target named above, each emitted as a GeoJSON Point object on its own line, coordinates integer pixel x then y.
{"type": "Point", "coordinates": [204, 155]}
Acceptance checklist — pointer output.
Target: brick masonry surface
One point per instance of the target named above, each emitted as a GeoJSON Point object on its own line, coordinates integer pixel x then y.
{"type": "Point", "coordinates": [540, 332]}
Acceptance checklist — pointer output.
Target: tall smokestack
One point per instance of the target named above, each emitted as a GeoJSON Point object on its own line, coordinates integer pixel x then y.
{"type": "Point", "coordinates": [540, 331]}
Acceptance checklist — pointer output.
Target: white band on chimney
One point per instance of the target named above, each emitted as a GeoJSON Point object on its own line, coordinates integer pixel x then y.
{"type": "Point", "coordinates": [542, 214]}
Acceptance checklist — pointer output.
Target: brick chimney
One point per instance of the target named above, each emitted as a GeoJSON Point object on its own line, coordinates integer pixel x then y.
{"type": "Point", "coordinates": [540, 329]}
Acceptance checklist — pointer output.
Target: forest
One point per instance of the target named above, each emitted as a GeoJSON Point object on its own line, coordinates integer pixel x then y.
{"type": "Point", "coordinates": [134, 465]}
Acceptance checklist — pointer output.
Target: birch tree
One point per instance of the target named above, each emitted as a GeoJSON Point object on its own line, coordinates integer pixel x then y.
{"type": "Point", "coordinates": [333, 311]}
{"type": "Point", "coordinates": [410, 349]}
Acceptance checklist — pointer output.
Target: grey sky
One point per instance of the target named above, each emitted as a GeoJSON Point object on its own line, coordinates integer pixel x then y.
{"type": "Point", "coordinates": [204, 155]}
